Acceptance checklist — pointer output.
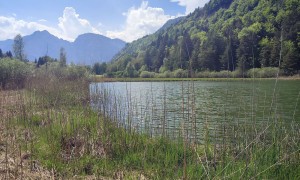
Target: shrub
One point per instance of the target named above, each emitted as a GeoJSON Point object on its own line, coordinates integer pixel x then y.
{"type": "Point", "coordinates": [221, 74]}
{"type": "Point", "coordinates": [77, 72]}
{"type": "Point", "coordinates": [147, 74]}
{"type": "Point", "coordinates": [166, 74]}
{"type": "Point", "coordinates": [13, 73]}
{"type": "Point", "coordinates": [267, 72]}
{"type": "Point", "coordinates": [60, 86]}
{"type": "Point", "coordinates": [180, 73]}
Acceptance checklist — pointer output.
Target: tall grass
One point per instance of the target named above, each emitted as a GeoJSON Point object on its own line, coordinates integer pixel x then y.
{"type": "Point", "coordinates": [231, 148]}
{"type": "Point", "coordinates": [59, 128]}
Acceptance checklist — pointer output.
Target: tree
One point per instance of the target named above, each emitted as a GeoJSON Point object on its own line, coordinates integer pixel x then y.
{"type": "Point", "coordinates": [62, 58]}
{"type": "Point", "coordinates": [44, 60]}
{"type": "Point", "coordinates": [99, 68]}
{"type": "Point", "coordinates": [130, 71]}
{"type": "Point", "coordinates": [18, 47]}
{"type": "Point", "coordinates": [265, 52]}
{"type": "Point", "coordinates": [1, 54]}
{"type": "Point", "coordinates": [8, 54]}
{"type": "Point", "coordinates": [147, 60]}
{"type": "Point", "coordinates": [186, 49]}
{"type": "Point", "coordinates": [247, 51]}
{"type": "Point", "coordinates": [290, 58]}
{"type": "Point", "coordinates": [195, 55]}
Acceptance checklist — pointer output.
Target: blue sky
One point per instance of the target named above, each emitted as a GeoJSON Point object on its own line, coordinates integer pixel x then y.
{"type": "Point", "coordinates": [66, 19]}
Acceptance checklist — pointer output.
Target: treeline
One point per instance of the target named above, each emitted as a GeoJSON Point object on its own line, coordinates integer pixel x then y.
{"type": "Point", "coordinates": [15, 72]}
{"type": "Point", "coordinates": [224, 35]}
{"type": "Point", "coordinates": [6, 54]}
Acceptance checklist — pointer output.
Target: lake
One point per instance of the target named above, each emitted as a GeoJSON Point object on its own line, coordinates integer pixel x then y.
{"type": "Point", "coordinates": [198, 108]}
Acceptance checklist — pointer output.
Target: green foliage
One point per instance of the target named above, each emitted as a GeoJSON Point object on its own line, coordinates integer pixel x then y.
{"type": "Point", "coordinates": [1, 54]}
{"type": "Point", "coordinates": [18, 48]}
{"type": "Point", "coordinates": [13, 73]}
{"type": "Point", "coordinates": [290, 58]}
{"type": "Point", "coordinates": [224, 35]}
{"type": "Point", "coordinates": [147, 74]}
{"type": "Point", "coordinates": [62, 57]}
{"type": "Point", "coordinates": [267, 72]}
{"type": "Point", "coordinates": [130, 71]}
{"type": "Point", "coordinates": [45, 60]}
{"type": "Point", "coordinates": [180, 73]}
{"type": "Point", "coordinates": [77, 72]}
{"type": "Point", "coordinates": [99, 69]}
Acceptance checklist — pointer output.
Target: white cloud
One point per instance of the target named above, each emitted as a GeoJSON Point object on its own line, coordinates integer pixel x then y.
{"type": "Point", "coordinates": [191, 5]}
{"type": "Point", "coordinates": [72, 25]}
{"type": "Point", "coordinates": [10, 27]}
{"type": "Point", "coordinates": [42, 20]}
{"type": "Point", "coordinates": [140, 21]}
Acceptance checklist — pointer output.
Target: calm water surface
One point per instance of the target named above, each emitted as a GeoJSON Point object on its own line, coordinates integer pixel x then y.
{"type": "Point", "coordinates": [170, 107]}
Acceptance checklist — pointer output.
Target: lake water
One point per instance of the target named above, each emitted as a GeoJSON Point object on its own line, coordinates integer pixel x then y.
{"type": "Point", "coordinates": [197, 107]}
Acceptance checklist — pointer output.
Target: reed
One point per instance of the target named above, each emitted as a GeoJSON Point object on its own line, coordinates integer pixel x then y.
{"type": "Point", "coordinates": [65, 128]}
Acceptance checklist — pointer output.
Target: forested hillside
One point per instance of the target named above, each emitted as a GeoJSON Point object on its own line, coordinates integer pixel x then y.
{"type": "Point", "coordinates": [234, 35]}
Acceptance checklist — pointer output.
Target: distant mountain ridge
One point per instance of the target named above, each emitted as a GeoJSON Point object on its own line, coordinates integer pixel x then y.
{"type": "Point", "coordinates": [86, 49]}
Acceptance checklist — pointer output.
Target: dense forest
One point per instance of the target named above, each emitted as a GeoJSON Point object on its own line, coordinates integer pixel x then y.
{"type": "Point", "coordinates": [234, 35]}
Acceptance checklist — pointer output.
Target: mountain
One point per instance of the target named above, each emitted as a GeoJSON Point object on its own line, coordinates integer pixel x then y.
{"type": "Point", "coordinates": [42, 43]}
{"type": "Point", "coordinates": [93, 47]}
{"type": "Point", "coordinates": [223, 35]}
{"type": "Point", "coordinates": [86, 49]}
{"type": "Point", "coordinates": [170, 23]}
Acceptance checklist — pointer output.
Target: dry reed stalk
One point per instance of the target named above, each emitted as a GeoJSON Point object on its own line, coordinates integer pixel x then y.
{"type": "Point", "coordinates": [164, 108]}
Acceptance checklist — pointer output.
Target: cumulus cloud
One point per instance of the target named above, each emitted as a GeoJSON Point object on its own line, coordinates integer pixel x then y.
{"type": "Point", "coordinates": [140, 21]}
{"type": "Point", "coordinates": [191, 5]}
{"type": "Point", "coordinates": [72, 25]}
{"type": "Point", "coordinates": [10, 27]}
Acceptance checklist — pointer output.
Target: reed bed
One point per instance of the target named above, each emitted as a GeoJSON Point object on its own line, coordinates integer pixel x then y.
{"type": "Point", "coordinates": [240, 145]}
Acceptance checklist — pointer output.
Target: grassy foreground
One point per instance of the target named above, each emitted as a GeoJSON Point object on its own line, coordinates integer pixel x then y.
{"type": "Point", "coordinates": [49, 130]}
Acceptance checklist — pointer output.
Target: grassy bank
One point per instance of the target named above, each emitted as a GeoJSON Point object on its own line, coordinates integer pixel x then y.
{"type": "Point", "coordinates": [50, 131]}
{"type": "Point", "coordinates": [58, 132]}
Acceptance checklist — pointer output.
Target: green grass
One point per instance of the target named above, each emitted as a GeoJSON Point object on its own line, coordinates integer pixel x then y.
{"type": "Point", "coordinates": [72, 139]}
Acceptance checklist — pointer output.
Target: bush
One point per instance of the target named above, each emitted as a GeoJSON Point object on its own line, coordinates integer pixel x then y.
{"type": "Point", "coordinates": [267, 72]}
{"type": "Point", "coordinates": [221, 74]}
{"type": "Point", "coordinates": [13, 73]}
{"type": "Point", "coordinates": [60, 86]}
{"type": "Point", "coordinates": [77, 72]}
{"type": "Point", "coordinates": [166, 74]}
{"type": "Point", "coordinates": [180, 73]}
{"type": "Point", "coordinates": [147, 74]}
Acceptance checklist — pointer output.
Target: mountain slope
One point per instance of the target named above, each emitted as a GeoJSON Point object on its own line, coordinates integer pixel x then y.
{"type": "Point", "coordinates": [223, 35]}
{"type": "Point", "coordinates": [86, 49]}
{"type": "Point", "coordinates": [93, 47]}
{"type": "Point", "coordinates": [42, 43]}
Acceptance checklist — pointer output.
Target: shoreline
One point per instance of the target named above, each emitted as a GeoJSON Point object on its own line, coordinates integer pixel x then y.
{"type": "Point", "coordinates": [97, 78]}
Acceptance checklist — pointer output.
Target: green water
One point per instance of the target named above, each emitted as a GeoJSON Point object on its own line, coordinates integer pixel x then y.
{"type": "Point", "coordinates": [170, 107]}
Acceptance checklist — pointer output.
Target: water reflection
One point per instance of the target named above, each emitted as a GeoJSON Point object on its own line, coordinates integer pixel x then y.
{"type": "Point", "coordinates": [195, 108]}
